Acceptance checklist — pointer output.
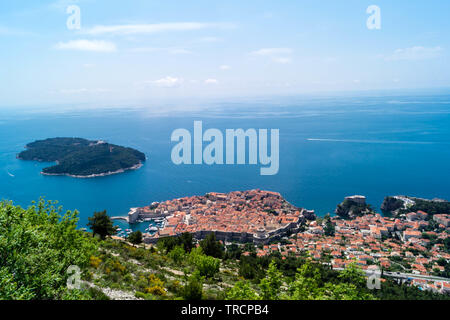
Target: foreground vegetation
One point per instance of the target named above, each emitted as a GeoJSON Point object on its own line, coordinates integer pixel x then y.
{"type": "Point", "coordinates": [38, 246]}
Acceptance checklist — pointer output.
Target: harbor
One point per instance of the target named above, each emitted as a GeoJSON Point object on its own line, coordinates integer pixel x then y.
{"type": "Point", "coordinates": [147, 225]}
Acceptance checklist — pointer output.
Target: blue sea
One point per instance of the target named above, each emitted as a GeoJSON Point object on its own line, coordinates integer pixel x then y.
{"type": "Point", "coordinates": [330, 147]}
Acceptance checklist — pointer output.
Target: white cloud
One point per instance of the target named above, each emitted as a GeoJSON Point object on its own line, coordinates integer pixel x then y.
{"type": "Point", "coordinates": [278, 55]}
{"type": "Point", "coordinates": [211, 81]}
{"type": "Point", "coordinates": [272, 51]}
{"type": "Point", "coordinates": [167, 82]}
{"type": "Point", "coordinates": [415, 53]}
{"type": "Point", "coordinates": [209, 39]}
{"type": "Point", "coordinates": [224, 67]}
{"type": "Point", "coordinates": [282, 60]}
{"type": "Point", "coordinates": [87, 45]}
{"type": "Point", "coordinates": [128, 29]}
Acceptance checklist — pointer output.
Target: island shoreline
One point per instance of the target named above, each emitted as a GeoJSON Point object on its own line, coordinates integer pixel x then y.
{"type": "Point", "coordinates": [82, 158]}
{"type": "Point", "coordinates": [110, 173]}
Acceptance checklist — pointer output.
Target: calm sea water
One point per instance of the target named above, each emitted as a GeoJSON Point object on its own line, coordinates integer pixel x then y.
{"type": "Point", "coordinates": [329, 148]}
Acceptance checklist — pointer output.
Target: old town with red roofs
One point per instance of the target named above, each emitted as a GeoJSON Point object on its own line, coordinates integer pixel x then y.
{"type": "Point", "coordinates": [263, 217]}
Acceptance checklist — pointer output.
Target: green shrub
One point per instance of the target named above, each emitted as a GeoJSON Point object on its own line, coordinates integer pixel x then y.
{"type": "Point", "coordinates": [37, 246]}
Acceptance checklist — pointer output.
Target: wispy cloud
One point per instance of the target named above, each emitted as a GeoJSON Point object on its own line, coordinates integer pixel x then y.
{"type": "Point", "coordinates": [272, 51]}
{"type": "Point", "coordinates": [211, 81]}
{"type": "Point", "coordinates": [128, 29]}
{"type": "Point", "coordinates": [87, 45]}
{"type": "Point", "coordinates": [278, 55]}
{"type": "Point", "coordinates": [282, 60]}
{"type": "Point", "coordinates": [167, 82]}
{"type": "Point", "coordinates": [415, 53]}
{"type": "Point", "coordinates": [224, 67]}
{"type": "Point", "coordinates": [209, 39]}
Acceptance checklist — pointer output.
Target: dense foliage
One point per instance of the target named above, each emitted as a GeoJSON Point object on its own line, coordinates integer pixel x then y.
{"type": "Point", "coordinates": [329, 227]}
{"type": "Point", "coordinates": [350, 209]}
{"type": "Point", "coordinates": [135, 237]}
{"type": "Point", "coordinates": [212, 247]}
{"type": "Point", "coordinates": [101, 225]}
{"type": "Point", "coordinates": [313, 280]}
{"type": "Point", "coordinates": [309, 283]}
{"type": "Point", "coordinates": [81, 157]}
{"type": "Point", "coordinates": [186, 241]}
{"type": "Point", "coordinates": [429, 206]}
{"type": "Point", "coordinates": [37, 246]}
{"type": "Point", "coordinates": [391, 204]}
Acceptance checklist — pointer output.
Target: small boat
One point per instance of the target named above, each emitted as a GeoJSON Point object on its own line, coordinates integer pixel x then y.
{"type": "Point", "coordinates": [153, 229]}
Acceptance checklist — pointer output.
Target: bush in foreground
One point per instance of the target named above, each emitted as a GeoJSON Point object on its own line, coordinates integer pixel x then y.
{"type": "Point", "coordinates": [37, 246]}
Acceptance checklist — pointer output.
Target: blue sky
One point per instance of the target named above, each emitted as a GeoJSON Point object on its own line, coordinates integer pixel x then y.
{"type": "Point", "coordinates": [141, 51]}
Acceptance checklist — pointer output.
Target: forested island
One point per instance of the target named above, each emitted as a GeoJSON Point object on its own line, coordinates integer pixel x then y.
{"type": "Point", "coordinates": [82, 158]}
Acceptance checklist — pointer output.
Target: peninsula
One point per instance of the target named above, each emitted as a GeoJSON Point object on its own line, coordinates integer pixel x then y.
{"type": "Point", "coordinates": [81, 158]}
{"type": "Point", "coordinates": [243, 216]}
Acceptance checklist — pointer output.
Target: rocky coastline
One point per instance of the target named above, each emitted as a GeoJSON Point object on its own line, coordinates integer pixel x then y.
{"type": "Point", "coordinates": [110, 173]}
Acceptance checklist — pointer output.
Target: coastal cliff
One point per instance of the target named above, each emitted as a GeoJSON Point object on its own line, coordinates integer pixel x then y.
{"type": "Point", "coordinates": [352, 207]}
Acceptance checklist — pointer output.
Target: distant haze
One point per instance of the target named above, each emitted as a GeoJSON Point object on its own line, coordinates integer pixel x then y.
{"type": "Point", "coordinates": [146, 51]}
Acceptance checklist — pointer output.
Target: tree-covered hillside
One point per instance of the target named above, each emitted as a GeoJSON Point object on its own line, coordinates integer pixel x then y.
{"type": "Point", "coordinates": [429, 206]}
{"type": "Point", "coordinates": [81, 157]}
{"type": "Point", "coordinates": [37, 246]}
